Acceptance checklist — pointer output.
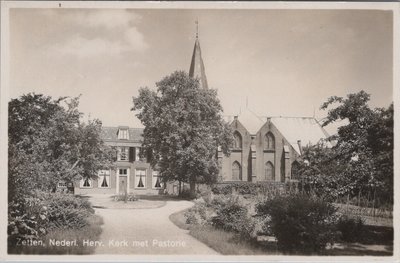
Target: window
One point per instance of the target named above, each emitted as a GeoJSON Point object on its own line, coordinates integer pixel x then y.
{"type": "Point", "coordinates": [269, 141]}
{"type": "Point", "coordinates": [123, 134]}
{"type": "Point", "coordinates": [137, 153]}
{"type": "Point", "coordinates": [123, 171]}
{"type": "Point", "coordinates": [104, 179]}
{"type": "Point", "coordinates": [123, 153]}
{"type": "Point", "coordinates": [236, 171]}
{"type": "Point", "coordinates": [86, 183]}
{"type": "Point", "coordinates": [157, 184]}
{"type": "Point", "coordinates": [140, 178]}
{"type": "Point", "coordinates": [237, 140]}
{"type": "Point", "coordinates": [295, 170]}
{"type": "Point", "coordinates": [269, 172]}
{"type": "Point", "coordinates": [61, 184]}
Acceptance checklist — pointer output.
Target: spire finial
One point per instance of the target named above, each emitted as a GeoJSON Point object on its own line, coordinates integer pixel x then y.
{"type": "Point", "coordinates": [197, 28]}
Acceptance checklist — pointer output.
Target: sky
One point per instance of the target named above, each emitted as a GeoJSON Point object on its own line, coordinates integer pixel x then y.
{"type": "Point", "coordinates": [275, 62]}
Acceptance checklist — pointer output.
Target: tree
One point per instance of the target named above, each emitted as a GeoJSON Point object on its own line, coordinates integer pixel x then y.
{"type": "Point", "coordinates": [183, 129]}
{"type": "Point", "coordinates": [49, 143]}
{"type": "Point", "coordinates": [362, 159]}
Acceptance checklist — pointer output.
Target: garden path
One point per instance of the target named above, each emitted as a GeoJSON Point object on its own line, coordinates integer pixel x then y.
{"type": "Point", "coordinates": [146, 231]}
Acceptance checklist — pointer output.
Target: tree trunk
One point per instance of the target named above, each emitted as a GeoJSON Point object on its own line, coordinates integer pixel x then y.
{"type": "Point", "coordinates": [180, 187]}
{"type": "Point", "coordinates": [192, 184]}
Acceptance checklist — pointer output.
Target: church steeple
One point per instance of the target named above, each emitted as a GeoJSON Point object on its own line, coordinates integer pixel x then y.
{"type": "Point", "coordinates": [197, 66]}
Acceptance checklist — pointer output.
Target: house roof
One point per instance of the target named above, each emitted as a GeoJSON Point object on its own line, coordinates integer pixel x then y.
{"type": "Point", "coordinates": [111, 134]}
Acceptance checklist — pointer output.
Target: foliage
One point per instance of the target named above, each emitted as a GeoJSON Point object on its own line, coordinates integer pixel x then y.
{"type": "Point", "coordinates": [183, 129]}
{"type": "Point", "coordinates": [128, 198]}
{"type": "Point", "coordinates": [233, 216]}
{"type": "Point", "coordinates": [36, 215]}
{"type": "Point", "coordinates": [350, 228]}
{"type": "Point", "coordinates": [360, 163]}
{"type": "Point", "coordinates": [49, 143]}
{"type": "Point", "coordinates": [300, 223]}
{"type": "Point", "coordinates": [268, 189]}
{"type": "Point", "coordinates": [198, 215]}
{"type": "Point", "coordinates": [91, 231]}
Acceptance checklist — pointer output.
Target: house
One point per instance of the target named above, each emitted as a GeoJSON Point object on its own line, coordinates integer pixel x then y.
{"type": "Point", "coordinates": [133, 174]}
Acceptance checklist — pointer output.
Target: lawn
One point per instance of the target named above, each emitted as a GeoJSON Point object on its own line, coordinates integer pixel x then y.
{"type": "Point", "coordinates": [375, 241]}
{"type": "Point", "coordinates": [224, 242]}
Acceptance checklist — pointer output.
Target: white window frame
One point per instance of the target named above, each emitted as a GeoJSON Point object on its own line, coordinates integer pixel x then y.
{"type": "Point", "coordinates": [154, 176]}
{"type": "Point", "coordinates": [123, 134]}
{"type": "Point", "coordinates": [61, 184]}
{"type": "Point", "coordinates": [137, 178]}
{"type": "Point", "coordinates": [82, 182]}
{"type": "Point", "coordinates": [125, 150]}
{"type": "Point", "coordinates": [101, 174]}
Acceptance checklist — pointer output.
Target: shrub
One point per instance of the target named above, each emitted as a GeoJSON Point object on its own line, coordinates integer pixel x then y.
{"type": "Point", "coordinates": [33, 216]}
{"type": "Point", "coordinates": [350, 228]}
{"type": "Point", "coordinates": [301, 224]}
{"type": "Point", "coordinates": [269, 189]}
{"type": "Point", "coordinates": [187, 194]}
{"type": "Point", "coordinates": [67, 211]}
{"type": "Point", "coordinates": [233, 216]}
{"type": "Point", "coordinates": [128, 198]}
{"type": "Point", "coordinates": [198, 215]}
{"type": "Point", "coordinates": [222, 189]}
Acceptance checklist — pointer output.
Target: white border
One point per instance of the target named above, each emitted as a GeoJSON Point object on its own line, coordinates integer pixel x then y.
{"type": "Point", "coordinates": [4, 95]}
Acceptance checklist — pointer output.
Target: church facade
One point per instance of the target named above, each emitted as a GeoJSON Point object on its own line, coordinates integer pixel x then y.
{"type": "Point", "coordinates": [268, 148]}
{"type": "Point", "coordinates": [265, 149]}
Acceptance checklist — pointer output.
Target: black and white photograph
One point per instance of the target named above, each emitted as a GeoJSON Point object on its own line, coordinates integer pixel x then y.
{"type": "Point", "coordinates": [199, 130]}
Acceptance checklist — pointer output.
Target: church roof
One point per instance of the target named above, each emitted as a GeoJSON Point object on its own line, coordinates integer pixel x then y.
{"type": "Point", "coordinates": [111, 134]}
{"type": "Point", "coordinates": [305, 129]}
{"type": "Point", "coordinates": [196, 69]}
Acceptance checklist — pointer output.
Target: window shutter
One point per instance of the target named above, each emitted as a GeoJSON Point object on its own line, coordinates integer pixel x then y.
{"type": "Point", "coordinates": [131, 154]}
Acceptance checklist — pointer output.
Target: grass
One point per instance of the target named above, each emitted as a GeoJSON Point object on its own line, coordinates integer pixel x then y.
{"type": "Point", "coordinates": [179, 219]}
{"type": "Point", "coordinates": [374, 241]}
{"type": "Point", "coordinates": [226, 243]}
{"type": "Point", "coordinates": [91, 232]}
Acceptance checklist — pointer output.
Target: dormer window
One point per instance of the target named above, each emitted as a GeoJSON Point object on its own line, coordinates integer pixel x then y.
{"type": "Point", "coordinates": [123, 134]}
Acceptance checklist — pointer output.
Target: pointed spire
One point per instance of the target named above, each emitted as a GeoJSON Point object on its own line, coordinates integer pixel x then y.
{"type": "Point", "coordinates": [196, 69]}
{"type": "Point", "coordinates": [197, 28]}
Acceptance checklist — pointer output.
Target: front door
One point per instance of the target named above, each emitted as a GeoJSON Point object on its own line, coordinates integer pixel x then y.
{"type": "Point", "coordinates": [123, 185]}
{"type": "Point", "coordinates": [123, 180]}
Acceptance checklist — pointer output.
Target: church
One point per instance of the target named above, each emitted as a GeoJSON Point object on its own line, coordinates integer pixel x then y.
{"type": "Point", "coordinates": [266, 148]}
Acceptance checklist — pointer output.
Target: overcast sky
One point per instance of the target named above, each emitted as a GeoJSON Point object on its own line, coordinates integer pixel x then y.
{"type": "Point", "coordinates": [286, 62]}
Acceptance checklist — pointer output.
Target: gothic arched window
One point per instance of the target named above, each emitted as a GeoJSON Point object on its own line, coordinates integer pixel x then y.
{"type": "Point", "coordinates": [295, 170]}
{"type": "Point", "coordinates": [269, 141]}
{"type": "Point", "coordinates": [237, 140]}
{"type": "Point", "coordinates": [269, 172]}
{"type": "Point", "coordinates": [236, 171]}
